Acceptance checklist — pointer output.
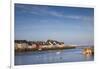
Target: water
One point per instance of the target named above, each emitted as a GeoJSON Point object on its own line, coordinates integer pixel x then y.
{"type": "Point", "coordinates": [54, 56]}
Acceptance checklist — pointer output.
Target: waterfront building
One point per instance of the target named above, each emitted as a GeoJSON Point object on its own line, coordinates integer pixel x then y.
{"type": "Point", "coordinates": [18, 46]}
{"type": "Point", "coordinates": [29, 47]}
{"type": "Point", "coordinates": [44, 46]}
{"type": "Point", "coordinates": [33, 45]}
{"type": "Point", "coordinates": [24, 45]}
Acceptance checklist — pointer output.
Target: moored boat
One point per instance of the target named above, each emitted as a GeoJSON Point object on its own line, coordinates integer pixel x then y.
{"type": "Point", "coordinates": [88, 51]}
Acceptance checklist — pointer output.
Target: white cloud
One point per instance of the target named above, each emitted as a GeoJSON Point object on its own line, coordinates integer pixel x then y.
{"type": "Point", "coordinates": [37, 10]}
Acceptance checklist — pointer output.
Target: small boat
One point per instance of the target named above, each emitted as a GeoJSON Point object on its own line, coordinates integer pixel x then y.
{"type": "Point", "coordinates": [88, 51]}
{"type": "Point", "coordinates": [58, 52]}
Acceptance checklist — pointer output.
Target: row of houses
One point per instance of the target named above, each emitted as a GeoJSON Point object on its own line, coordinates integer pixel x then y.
{"type": "Point", "coordinates": [23, 44]}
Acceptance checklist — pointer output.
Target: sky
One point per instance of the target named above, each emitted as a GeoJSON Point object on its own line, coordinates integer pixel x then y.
{"type": "Point", "coordinates": [72, 25]}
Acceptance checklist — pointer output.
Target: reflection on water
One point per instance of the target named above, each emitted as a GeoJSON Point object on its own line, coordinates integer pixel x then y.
{"type": "Point", "coordinates": [55, 56]}
{"type": "Point", "coordinates": [88, 56]}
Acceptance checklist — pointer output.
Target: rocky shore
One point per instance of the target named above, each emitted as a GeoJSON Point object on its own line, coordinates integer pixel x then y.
{"type": "Point", "coordinates": [43, 49]}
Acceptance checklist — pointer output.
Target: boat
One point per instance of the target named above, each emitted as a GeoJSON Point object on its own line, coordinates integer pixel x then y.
{"type": "Point", "coordinates": [88, 51]}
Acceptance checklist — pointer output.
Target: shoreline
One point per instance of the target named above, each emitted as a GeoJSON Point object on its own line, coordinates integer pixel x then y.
{"type": "Point", "coordinates": [43, 49]}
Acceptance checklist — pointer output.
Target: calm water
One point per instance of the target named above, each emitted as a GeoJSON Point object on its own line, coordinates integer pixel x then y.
{"type": "Point", "coordinates": [55, 56]}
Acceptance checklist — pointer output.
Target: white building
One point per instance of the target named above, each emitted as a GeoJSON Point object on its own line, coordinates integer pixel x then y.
{"type": "Point", "coordinates": [20, 45]}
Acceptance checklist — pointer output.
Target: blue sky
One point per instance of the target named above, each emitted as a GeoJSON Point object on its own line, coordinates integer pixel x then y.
{"type": "Point", "coordinates": [72, 25]}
